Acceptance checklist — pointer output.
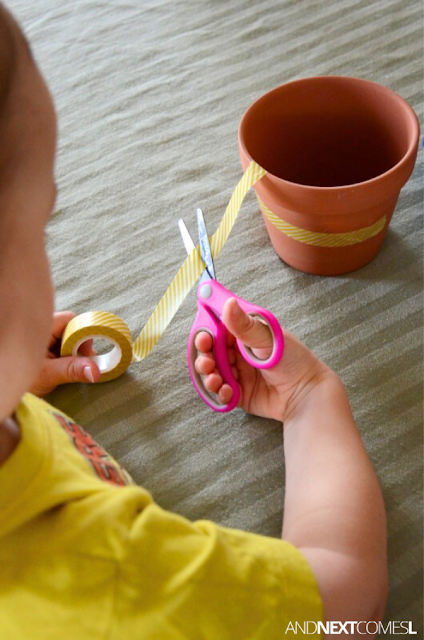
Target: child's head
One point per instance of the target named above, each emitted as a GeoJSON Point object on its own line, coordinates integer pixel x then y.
{"type": "Point", "coordinates": [27, 196]}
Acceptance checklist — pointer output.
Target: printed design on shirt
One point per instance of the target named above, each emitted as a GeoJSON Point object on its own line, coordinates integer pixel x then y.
{"type": "Point", "coordinates": [102, 463]}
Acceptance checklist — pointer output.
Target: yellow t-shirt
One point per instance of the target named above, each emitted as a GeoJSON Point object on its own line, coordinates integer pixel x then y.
{"type": "Point", "coordinates": [86, 554]}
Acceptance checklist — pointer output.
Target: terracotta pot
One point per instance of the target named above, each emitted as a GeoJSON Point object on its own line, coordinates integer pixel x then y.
{"type": "Point", "coordinates": [337, 150]}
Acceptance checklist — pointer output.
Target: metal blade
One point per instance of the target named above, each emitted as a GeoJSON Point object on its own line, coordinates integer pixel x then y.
{"type": "Point", "coordinates": [187, 239]}
{"type": "Point", "coordinates": [205, 248]}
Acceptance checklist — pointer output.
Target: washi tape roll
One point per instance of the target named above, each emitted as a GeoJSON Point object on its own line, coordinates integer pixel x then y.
{"type": "Point", "coordinates": [100, 324]}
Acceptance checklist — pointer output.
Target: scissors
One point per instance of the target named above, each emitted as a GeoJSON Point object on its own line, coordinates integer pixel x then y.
{"type": "Point", "coordinates": [211, 299]}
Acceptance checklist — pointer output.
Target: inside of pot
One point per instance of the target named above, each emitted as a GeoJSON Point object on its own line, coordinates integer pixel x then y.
{"type": "Point", "coordinates": [326, 136]}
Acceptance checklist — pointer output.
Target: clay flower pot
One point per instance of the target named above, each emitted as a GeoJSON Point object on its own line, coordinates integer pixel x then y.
{"type": "Point", "coordinates": [337, 150]}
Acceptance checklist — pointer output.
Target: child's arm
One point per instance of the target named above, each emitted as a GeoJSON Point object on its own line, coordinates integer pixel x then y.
{"type": "Point", "coordinates": [333, 510]}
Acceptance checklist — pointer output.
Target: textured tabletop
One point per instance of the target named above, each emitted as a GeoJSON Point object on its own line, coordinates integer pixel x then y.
{"type": "Point", "coordinates": [149, 97]}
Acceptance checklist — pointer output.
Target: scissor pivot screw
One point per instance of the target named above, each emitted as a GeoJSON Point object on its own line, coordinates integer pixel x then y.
{"type": "Point", "coordinates": [206, 291]}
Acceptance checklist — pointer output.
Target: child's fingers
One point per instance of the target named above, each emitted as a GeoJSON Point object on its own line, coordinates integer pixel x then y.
{"type": "Point", "coordinates": [249, 330]}
{"type": "Point", "coordinates": [205, 364]}
{"type": "Point", "coordinates": [231, 341]}
{"type": "Point", "coordinates": [86, 349]}
{"type": "Point", "coordinates": [203, 342]}
{"type": "Point", "coordinates": [57, 371]}
{"type": "Point", "coordinates": [213, 382]}
{"type": "Point", "coordinates": [70, 369]}
{"type": "Point", "coordinates": [60, 320]}
{"type": "Point", "coordinates": [225, 394]}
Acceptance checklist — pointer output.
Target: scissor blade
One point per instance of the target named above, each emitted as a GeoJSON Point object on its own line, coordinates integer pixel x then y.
{"type": "Point", "coordinates": [205, 248]}
{"type": "Point", "coordinates": [187, 239]}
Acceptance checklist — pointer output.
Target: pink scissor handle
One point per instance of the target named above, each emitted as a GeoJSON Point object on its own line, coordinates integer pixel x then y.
{"type": "Point", "coordinates": [206, 321]}
{"type": "Point", "coordinates": [211, 299]}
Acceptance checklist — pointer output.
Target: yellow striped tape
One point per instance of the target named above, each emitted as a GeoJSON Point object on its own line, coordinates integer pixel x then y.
{"type": "Point", "coordinates": [95, 324]}
{"type": "Point", "coordinates": [106, 325]}
{"type": "Point", "coordinates": [318, 239]}
{"type": "Point", "coordinates": [101, 324]}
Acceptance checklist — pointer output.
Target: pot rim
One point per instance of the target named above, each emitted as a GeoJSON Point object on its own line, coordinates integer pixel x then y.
{"type": "Point", "coordinates": [411, 151]}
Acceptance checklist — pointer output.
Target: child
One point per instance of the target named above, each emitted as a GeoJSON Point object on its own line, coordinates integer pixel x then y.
{"type": "Point", "coordinates": [86, 554]}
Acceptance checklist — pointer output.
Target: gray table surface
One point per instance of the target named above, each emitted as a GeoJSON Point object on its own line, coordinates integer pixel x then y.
{"type": "Point", "coordinates": [149, 97]}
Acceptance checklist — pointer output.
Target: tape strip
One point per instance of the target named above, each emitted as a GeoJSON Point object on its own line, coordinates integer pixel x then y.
{"type": "Point", "coordinates": [192, 267]}
{"type": "Point", "coordinates": [107, 325]}
{"type": "Point", "coordinates": [318, 239]}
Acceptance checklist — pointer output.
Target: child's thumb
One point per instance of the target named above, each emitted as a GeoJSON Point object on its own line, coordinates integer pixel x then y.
{"type": "Point", "coordinates": [248, 329]}
{"type": "Point", "coordinates": [71, 369]}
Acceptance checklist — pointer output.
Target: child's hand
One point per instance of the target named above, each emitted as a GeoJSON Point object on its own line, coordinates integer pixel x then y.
{"type": "Point", "coordinates": [271, 393]}
{"type": "Point", "coordinates": [57, 370]}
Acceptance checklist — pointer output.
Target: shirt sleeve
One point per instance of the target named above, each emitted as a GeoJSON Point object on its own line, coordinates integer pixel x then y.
{"type": "Point", "coordinates": [188, 580]}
